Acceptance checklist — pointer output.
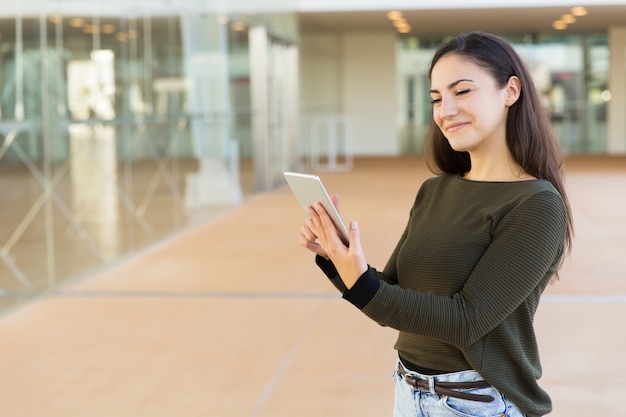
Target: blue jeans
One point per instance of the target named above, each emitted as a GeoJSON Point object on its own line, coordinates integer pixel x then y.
{"type": "Point", "coordinates": [412, 402]}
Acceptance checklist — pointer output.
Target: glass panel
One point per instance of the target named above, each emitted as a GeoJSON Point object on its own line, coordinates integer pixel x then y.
{"type": "Point", "coordinates": [110, 131]}
{"type": "Point", "coordinates": [273, 81]}
{"type": "Point", "coordinates": [597, 92]}
{"type": "Point", "coordinates": [571, 73]}
{"type": "Point", "coordinates": [26, 258]}
{"type": "Point", "coordinates": [415, 110]}
{"type": "Point", "coordinates": [240, 95]}
{"type": "Point", "coordinates": [95, 144]}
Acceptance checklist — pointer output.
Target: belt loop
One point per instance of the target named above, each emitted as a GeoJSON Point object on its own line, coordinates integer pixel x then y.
{"type": "Point", "coordinates": [431, 385]}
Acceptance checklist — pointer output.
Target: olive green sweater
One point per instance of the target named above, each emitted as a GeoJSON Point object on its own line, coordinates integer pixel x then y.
{"type": "Point", "coordinates": [463, 284]}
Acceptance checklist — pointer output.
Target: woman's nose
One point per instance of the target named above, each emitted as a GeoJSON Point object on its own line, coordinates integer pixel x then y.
{"type": "Point", "coordinates": [448, 107]}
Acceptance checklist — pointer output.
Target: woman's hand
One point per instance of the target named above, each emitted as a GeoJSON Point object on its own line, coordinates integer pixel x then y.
{"type": "Point", "coordinates": [308, 238]}
{"type": "Point", "coordinates": [320, 235]}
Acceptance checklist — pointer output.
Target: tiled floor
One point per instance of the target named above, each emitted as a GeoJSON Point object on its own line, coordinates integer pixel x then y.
{"type": "Point", "coordinates": [232, 318]}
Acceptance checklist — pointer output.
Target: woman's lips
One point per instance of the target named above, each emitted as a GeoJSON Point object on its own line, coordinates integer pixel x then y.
{"type": "Point", "coordinates": [454, 127]}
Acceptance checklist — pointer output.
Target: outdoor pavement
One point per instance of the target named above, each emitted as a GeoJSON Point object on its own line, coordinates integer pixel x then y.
{"type": "Point", "coordinates": [232, 318]}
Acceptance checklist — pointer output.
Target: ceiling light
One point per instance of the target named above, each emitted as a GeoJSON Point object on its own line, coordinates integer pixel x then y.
{"type": "Point", "coordinates": [108, 29]}
{"type": "Point", "coordinates": [568, 18]}
{"type": "Point", "coordinates": [77, 22]}
{"type": "Point", "coordinates": [559, 25]}
{"type": "Point", "coordinates": [90, 29]}
{"type": "Point", "coordinates": [394, 14]}
{"type": "Point", "coordinates": [238, 26]}
{"type": "Point", "coordinates": [55, 19]}
{"type": "Point", "coordinates": [399, 22]}
{"type": "Point", "coordinates": [579, 11]}
{"type": "Point", "coordinates": [404, 28]}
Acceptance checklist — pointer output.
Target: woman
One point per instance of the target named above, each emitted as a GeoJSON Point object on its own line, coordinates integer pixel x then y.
{"type": "Point", "coordinates": [483, 240]}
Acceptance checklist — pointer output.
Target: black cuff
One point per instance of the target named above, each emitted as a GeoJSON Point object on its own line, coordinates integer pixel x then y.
{"type": "Point", "coordinates": [364, 289]}
{"type": "Point", "coordinates": [328, 267]}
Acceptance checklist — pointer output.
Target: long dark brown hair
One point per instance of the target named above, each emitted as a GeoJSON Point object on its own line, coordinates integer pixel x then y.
{"type": "Point", "coordinates": [529, 134]}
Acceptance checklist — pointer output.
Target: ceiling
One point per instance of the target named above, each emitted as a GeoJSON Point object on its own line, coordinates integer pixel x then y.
{"type": "Point", "coordinates": [512, 21]}
{"type": "Point", "coordinates": [537, 20]}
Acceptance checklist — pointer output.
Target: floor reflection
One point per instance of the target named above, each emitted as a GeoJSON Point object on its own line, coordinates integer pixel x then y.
{"type": "Point", "coordinates": [101, 205]}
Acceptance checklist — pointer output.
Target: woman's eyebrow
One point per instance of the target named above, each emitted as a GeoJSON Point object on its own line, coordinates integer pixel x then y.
{"type": "Point", "coordinates": [452, 85]}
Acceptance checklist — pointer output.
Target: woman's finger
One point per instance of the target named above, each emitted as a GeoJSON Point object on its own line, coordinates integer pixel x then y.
{"type": "Point", "coordinates": [314, 222]}
{"type": "Point", "coordinates": [335, 199]}
{"type": "Point", "coordinates": [307, 234]}
{"type": "Point", "coordinates": [309, 240]}
{"type": "Point", "coordinates": [327, 226]}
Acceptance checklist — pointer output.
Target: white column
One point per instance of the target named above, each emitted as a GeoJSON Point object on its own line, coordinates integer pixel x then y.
{"type": "Point", "coordinates": [259, 91]}
{"type": "Point", "coordinates": [206, 67]}
{"type": "Point", "coordinates": [616, 118]}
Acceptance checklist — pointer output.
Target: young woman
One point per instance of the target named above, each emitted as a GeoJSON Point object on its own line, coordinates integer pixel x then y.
{"type": "Point", "coordinates": [483, 240]}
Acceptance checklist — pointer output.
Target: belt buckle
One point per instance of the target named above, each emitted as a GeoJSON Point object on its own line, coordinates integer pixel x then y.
{"type": "Point", "coordinates": [409, 379]}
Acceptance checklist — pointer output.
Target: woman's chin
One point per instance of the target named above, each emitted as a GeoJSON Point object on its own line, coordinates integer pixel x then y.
{"type": "Point", "coordinates": [458, 147]}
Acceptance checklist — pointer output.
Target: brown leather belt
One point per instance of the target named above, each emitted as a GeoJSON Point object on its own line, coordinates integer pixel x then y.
{"type": "Point", "coordinates": [448, 388]}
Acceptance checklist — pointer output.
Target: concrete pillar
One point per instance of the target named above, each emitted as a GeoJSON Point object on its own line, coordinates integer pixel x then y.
{"type": "Point", "coordinates": [616, 118]}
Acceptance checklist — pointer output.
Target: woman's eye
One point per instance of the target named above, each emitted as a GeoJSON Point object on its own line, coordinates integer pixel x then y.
{"type": "Point", "coordinates": [435, 100]}
{"type": "Point", "coordinates": [461, 92]}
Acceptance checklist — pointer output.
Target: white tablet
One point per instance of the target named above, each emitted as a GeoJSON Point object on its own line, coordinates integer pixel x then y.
{"type": "Point", "coordinates": [308, 190]}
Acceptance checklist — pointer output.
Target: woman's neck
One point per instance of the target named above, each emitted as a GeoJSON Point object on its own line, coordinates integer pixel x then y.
{"type": "Point", "coordinates": [501, 168]}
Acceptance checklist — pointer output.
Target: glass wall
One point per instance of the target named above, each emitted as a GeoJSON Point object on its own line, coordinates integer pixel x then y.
{"type": "Point", "coordinates": [570, 71]}
{"type": "Point", "coordinates": [118, 131]}
{"type": "Point", "coordinates": [96, 144]}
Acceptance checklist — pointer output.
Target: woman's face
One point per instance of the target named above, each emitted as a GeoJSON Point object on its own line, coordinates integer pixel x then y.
{"type": "Point", "coordinates": [468, 106]}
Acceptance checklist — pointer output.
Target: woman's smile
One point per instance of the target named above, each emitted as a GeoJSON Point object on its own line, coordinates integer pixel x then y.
{"type": "Point", "coordinates": [455, 127]}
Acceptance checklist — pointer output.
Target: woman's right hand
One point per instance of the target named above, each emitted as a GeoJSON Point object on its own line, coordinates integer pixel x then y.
{"type": "Point", "coordinates": [309, 241]}
{"type": "Point", "coordinates": [307, 237]}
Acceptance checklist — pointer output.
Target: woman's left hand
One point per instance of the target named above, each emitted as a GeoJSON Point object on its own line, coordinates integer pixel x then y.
{"type": "Point", "coordinates": [348, 260]}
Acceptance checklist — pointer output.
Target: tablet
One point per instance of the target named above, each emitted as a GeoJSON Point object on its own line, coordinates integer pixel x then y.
{"type": "Point", "coordinates": [308, 190]}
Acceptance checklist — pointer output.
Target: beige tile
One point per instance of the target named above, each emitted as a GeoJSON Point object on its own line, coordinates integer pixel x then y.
{"type": "Point", "coordinates": [232, 318]}
{"type": "Point", "coordinates": [582, 345]}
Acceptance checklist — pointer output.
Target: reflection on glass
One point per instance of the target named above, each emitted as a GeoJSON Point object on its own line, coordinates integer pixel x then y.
{"type": "Point", "coordinates": [91, 86]}
{"type": "Point", "coordinates": [94, 184]}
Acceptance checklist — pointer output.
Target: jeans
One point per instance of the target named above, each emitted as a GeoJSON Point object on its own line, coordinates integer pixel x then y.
{"type": "Point", "coordinates": [412, 402]}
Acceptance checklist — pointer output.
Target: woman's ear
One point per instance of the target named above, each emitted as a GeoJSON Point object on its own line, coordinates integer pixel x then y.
{"type": "Point", "coordinates": [513, 90]}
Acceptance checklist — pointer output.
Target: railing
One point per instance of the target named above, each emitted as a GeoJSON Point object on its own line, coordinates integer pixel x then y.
{"type": "Point", "coordinates": [328, 144]}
